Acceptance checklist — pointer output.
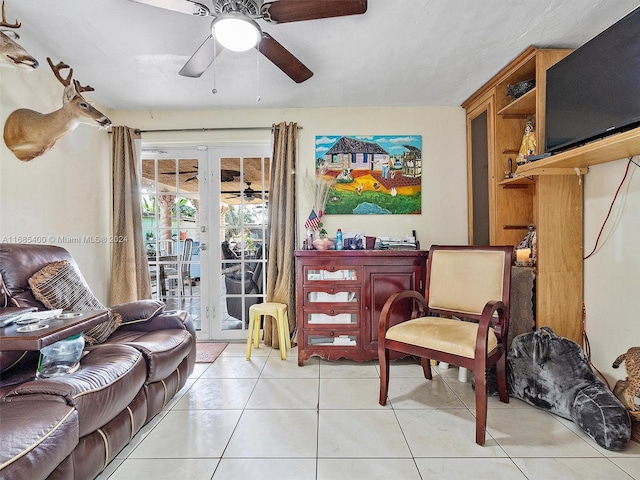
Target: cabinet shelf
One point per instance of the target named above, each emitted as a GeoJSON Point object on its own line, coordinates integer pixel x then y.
{"type": "Point", "coordinates": [523, 106]}
{"type": "Point", "coordinates": [615, 147]}
{"type": "Point", "coordinates": [519, 180]}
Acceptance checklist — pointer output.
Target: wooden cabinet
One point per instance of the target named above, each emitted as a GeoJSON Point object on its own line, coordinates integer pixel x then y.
{"type": "Point", "coordinates": [340, 295]}
{"type": "Point", "coordinates": [553, 203]}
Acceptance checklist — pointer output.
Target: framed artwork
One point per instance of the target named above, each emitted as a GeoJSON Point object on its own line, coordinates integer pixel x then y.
{"type": "Point", "coordinates": [376, 174]}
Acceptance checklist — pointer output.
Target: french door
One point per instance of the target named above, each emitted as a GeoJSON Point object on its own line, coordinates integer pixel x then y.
{"type": "Point", "coordinates": [238, 195]}
{"type": "Point", "coordinates": [204, 224]}
{"type": "Point", "coordinates": [171, 222]}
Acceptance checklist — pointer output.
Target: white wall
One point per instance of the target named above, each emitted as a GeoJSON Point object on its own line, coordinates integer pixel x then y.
{"type": "Point", "coordinates": [64, 194]}
{"type": "Point", "coordinates": [612, 274]}
{"type": "Point", "coordinates": [444, 198]}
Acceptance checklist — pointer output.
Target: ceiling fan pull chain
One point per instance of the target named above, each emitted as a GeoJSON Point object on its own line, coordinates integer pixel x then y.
{"type": "Point", "coordinates": [215, 53]}
{"type": "Point", "coordinates": [258, 75]}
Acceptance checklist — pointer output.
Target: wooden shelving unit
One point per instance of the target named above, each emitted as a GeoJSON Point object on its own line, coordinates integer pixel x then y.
{"type": "Point", "coordinates": [546, 194]}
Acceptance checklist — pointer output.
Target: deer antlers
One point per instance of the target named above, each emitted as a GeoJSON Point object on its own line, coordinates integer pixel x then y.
{"type": "Point", "coordinates": [67, 81]}
{"type": "Point", "coordinates": [4, 22]}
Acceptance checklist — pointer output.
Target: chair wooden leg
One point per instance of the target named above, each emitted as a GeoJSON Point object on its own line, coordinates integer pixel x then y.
{"type": "Point", "coordinates": [481, 404]}
{"type": "Point", "coordinates": [426, 367]}
{"type": "Point", "coordinates": [501, 374]}
{"type": "Point", "coordinates": [384, 376]}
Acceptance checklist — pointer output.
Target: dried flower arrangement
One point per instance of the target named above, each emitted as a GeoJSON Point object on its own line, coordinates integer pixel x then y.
{"type": "Point", "coordinates": [319, 185]}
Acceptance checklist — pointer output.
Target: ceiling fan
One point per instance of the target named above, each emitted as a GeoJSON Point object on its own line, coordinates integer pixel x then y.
{"type": "Point", "coordinates": [181, 172]}
{"type": "Point", "coordinates": [248, 193]}
{"type": "Point", "coordinates": [230, 17]}
{"type": "Point", "coordinates": [225, 174]}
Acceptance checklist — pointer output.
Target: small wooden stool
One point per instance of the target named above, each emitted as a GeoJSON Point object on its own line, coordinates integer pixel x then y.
{"type": "Point", "coordinates": [279, 313]}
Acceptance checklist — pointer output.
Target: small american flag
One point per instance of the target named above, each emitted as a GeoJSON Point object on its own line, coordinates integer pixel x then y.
{"type": "Point", "coordinates": [313, 221]}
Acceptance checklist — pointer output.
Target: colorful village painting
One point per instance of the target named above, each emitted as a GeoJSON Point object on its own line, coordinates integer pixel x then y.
{"type": "Point", "coordinates": [377, 174]}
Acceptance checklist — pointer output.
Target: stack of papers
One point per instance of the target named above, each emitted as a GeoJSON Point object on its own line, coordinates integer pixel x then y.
{"type": "Point", "coordinates": [398, 243]}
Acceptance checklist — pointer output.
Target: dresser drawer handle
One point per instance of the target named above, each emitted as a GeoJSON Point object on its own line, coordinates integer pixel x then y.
{"type": "Point", "coordinates": [332, 334]}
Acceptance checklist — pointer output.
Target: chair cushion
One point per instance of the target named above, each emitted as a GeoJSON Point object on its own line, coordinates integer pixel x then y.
{"type": "Point", "coordinates": [442, 334]}
{"type": "Point", "coordinates": [466, 279]}
{"type": "Point", "coordinates": [59, 285]}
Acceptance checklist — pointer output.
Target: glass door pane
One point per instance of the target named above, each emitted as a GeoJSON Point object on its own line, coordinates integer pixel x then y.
{"type": "Point", "coordinates": [171, 226]}
{"type": "Point", "coordinates": [243, 229]}
{"type": "Point", "coordinates": [242, 197]}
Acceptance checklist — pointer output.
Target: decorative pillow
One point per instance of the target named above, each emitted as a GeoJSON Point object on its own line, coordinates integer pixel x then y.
{"type": "Point", "coordinates": [58, 285]}
{"type": "Point", "coordinates": [553, 373]}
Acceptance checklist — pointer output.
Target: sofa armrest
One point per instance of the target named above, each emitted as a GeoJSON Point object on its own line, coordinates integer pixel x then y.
{"type": "Point", "coordinates": [138, 311]}
{"type": "Point", "coordinates": [179, 319]}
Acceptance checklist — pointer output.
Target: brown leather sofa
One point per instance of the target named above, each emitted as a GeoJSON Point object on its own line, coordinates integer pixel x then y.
{"type": "Point", "coordinates": [71, 427]}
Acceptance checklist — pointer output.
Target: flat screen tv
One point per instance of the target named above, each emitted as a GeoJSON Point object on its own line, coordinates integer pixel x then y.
{"type": "Point", "coordinates": [595, 91]}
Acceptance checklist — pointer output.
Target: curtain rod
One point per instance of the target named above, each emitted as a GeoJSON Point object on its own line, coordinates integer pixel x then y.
{"type": "Point", "coordinates": [212, 129]}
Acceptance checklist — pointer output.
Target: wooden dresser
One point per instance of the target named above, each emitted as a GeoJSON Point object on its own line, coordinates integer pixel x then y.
{"type": "Point", "coordinates": [340, 295]}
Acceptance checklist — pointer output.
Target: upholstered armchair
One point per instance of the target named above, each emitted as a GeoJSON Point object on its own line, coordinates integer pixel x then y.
{"type": "Point", "coordinates": [463, 320]}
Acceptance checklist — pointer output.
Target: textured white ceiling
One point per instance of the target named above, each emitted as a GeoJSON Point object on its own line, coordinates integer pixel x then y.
{"type": "Point", "coordinates": [399, 53]}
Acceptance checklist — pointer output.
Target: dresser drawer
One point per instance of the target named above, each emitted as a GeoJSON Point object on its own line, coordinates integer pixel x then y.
{"type": "Point", "coordinates": [328, 297]}
{"type": "Point", "coordinates": [331, 273]}
{"type": "Point", "coordinates": [331, 340]}
{"type": "Point", "coordinates": [327, 319]}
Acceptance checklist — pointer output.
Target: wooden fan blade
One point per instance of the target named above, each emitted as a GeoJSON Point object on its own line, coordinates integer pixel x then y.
{"type": "Point", "coordinates": [283, 59]}
{"type": "Point", "coordinates": [183, 6]}
{"type": "Point", "coordinates": [200, 61]}
{"type": "Point", "coordinates": [284, 11]}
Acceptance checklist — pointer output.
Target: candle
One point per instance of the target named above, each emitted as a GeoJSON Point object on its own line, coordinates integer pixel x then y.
{"type": "Point", "coordinates": [522, 255]}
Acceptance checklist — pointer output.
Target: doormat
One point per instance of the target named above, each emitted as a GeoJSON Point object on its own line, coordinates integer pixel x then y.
{"type": "Point", "coordinates": [207, 352]}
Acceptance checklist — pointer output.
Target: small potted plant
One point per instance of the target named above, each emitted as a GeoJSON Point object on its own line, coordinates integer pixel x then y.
{"type": "Point", "coordinates": [322, 242]}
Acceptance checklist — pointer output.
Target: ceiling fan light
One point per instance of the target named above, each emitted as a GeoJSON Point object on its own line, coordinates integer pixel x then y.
{"type": "Point", "coordinates": [236, 32]}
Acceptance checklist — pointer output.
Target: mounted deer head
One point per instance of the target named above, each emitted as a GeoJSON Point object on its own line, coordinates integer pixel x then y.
{"type": "Point", "coordinates": [12, 54]}
{"type": "Point", "coordinates": [29, 134]}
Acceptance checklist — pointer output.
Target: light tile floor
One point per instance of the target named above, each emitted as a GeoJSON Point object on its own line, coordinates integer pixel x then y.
{"type": "Point", "coordinates": [270, 419]}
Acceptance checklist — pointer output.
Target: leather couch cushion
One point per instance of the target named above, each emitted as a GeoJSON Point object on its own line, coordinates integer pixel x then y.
{"type": "Point", "coordinates": [109, 378]}
{"type": "Point", "coordinates": [163, 350]}
{"type": "Point", "coordinates": [35, 437]}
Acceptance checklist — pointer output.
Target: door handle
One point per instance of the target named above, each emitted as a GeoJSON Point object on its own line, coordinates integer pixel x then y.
{"type": "Point", "coordinates": [203, 246]}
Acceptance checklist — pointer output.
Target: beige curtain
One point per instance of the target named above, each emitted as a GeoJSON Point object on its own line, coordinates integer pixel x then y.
{"type": "Point", "coordinates": [282, 228]}
{"type": "Point", "coordinates": [129, 268]}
